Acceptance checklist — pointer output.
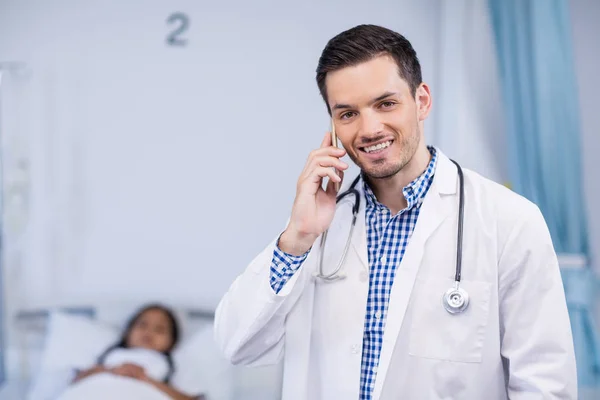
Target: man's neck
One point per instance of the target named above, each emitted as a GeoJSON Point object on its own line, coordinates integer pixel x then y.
{"type": "Point", "coordinates": [389, 191]}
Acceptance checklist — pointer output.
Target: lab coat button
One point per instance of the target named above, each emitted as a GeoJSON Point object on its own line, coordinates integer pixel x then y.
{"type": "Point", "coordinates": [375, 369]}
{"type": "Point", "coordinates": [364, 276]}
{"type": "Point", "coordinates": [354, 349]}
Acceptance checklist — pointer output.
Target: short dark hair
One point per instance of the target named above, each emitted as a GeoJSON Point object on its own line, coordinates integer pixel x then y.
{"type": "Point", "coordinates": [363, 43]}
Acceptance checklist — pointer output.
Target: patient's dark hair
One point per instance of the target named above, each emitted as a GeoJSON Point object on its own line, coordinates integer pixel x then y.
{"type": "Point", "coordinates": [363, 43]}
{"type": "Point", "coordinates": [122, 343]}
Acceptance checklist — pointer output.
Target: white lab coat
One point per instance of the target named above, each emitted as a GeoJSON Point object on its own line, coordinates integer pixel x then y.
{"type": "Point", "coordinates": [513, 342]}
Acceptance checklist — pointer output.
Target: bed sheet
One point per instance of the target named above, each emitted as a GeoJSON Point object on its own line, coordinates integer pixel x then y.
{"type": "Point", "coordinates": [110, 386]}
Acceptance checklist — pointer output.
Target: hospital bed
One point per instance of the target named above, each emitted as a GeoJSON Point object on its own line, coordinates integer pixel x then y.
{"type": "Point", "coordinates": [34, 335]}
{"type": "Point", "coordinates": [45, 339]}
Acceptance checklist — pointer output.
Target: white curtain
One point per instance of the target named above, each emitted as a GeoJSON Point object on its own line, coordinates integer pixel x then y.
{"type": "Point", "coordinates": [469, 125]}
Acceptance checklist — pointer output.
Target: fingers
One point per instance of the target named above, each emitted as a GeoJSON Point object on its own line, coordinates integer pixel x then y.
{"type": "Point", "coordinates": [322, 162]}
{"type": "Point", "coordinates": [327, 157]}
{"type": "Point", "coordinates": [135, 370]}
{"type": "Point", "coordinates": [329, 151]}
{"type": "Point", "coordinates": [322, 172]}
{"type": "Point", "coordinates": [138, 374]}
{"type": "Point", "coordinates": [331, 188]}
{"type": "Point", "coordinates": [317, 167]}
{"type": "Point", "coordinates": [327, 143]}
{"type": "Point", "coordinates": [330, 162]}
{"type": "Point", "coordinates": [326, 140]}
{"type": "Point", "coordinates": [130, 370]}
{"type": "Point", "coordinates": [326, 150]}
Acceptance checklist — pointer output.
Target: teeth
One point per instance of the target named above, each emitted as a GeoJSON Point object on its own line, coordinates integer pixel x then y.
{"type": "Point", "coordinates": [378, 146]}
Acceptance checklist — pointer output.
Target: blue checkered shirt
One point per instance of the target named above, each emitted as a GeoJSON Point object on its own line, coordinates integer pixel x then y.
{"type": "Point", "coordinates": [387, 238]}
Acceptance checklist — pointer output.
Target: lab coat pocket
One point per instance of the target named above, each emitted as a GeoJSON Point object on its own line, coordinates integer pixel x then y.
{"type": "Point", "coordinates": [437, 334]}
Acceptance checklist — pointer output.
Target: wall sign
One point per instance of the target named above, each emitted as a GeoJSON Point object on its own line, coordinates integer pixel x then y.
{"type": "Point", "coordinates": [181, 22]}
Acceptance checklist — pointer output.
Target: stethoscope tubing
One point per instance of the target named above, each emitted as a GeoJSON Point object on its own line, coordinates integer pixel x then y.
{"type": "Point", "coordinates": [456, 299]}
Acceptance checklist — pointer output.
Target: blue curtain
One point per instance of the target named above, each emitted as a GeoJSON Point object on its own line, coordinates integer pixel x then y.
{"type": "Point", "coordinates": [533, 40]}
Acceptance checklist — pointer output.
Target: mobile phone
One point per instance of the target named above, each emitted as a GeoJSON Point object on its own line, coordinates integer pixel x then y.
{"type": "Point", "coordinates": [334, 142]}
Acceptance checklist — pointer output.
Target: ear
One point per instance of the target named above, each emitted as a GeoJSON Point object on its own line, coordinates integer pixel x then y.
{"type": "Point", "coordinates": [423, 100]}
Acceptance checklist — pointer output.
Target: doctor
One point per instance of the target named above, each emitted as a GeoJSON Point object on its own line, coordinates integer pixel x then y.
{"type": "Point", "coordinates": [385, 329]}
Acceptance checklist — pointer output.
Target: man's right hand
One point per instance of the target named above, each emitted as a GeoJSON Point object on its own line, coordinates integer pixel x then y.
{"type": "Point", "coordinates": [314, 208]}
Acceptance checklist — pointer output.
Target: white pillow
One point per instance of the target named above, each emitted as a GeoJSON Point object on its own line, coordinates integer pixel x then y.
{"type": "Point", "coordinates": [74, 341]}
{"type": "Point", "coordinates": [201, 368]}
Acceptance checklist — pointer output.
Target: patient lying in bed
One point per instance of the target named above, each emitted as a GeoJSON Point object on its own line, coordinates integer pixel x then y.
{"type": "Point", "coordinates": [139, 366]}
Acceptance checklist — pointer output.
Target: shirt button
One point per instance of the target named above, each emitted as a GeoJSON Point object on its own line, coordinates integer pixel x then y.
{"type": "Point", "coordinates": [375, 370]}
{"type": "Point", "coordinates": [378, 315]}
{"type": "Point", "coordinates": [383, 260]}
{"type": "Point", "coordinates": [364, 276]}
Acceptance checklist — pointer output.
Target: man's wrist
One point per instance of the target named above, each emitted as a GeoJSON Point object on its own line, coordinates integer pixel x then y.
{"type": "Point", "coordinates": [295, 244]}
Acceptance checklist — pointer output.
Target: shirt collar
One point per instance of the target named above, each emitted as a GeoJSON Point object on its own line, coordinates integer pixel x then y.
{"type": "Point", "coordinates": [414, 192]}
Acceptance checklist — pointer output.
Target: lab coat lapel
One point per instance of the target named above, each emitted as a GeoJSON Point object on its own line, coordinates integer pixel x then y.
{"type": "Point", "coordinates": [435, 209]}
{"type": "Point", "coordinates": [359, 237]}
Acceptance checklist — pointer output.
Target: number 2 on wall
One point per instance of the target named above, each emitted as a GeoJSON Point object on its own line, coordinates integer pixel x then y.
{"type": "Point", "coordinates": [182, 22]}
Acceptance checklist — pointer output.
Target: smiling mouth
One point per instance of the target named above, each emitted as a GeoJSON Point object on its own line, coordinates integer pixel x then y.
{"type": "Point", "coordinates": [376, 147]}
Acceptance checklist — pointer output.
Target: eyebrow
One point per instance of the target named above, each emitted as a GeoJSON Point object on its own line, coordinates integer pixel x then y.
{"type": "Point", "coordinates": [375, 100]}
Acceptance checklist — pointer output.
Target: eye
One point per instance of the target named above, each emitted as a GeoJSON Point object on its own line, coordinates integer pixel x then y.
{"type": "Point", "coordinates": [387, 104]}
{"type": "Point", "coordinates": [347, 115]}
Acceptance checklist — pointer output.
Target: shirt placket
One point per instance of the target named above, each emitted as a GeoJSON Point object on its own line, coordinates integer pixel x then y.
{"type": "Point", "coordinates": [384, 224]}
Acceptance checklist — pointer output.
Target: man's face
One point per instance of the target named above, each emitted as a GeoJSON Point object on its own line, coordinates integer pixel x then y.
{"type": "Point", "coordinates": [375, 115]}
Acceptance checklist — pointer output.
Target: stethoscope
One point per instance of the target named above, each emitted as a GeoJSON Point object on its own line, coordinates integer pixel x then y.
{"type": "Point", "coordinates": [456, 299]}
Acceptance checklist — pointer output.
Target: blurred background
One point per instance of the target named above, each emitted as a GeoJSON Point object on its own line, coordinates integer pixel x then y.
{"type": "Point", "coordinates": [150, 149]}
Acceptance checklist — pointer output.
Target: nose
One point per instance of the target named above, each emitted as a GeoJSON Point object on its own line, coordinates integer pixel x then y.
{"type": "Point", "coordinates": [371, 124]}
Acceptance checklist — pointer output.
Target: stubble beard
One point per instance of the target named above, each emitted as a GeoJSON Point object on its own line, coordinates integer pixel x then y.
{"type": "Point", "coordinates": [386, 168]}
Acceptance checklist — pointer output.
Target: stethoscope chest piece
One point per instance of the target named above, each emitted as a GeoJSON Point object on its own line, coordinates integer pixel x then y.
{"type": "Point", "coordinates": [456, 300]}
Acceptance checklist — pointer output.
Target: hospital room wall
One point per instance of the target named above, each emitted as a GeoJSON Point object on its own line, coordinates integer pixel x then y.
{"type": "Point", "coordinates": [160, 171]}
{"type": "Point", "coordinates": [127, 135]}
